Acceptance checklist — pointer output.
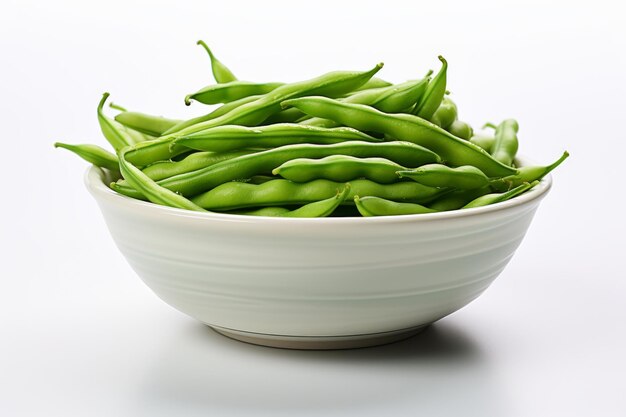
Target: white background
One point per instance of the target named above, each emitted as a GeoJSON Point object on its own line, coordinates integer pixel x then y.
{"type": "Point", "coordinates": [82, 336]}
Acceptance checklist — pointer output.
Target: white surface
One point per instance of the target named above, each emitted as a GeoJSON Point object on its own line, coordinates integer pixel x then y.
{"type": "Point", "coordinates": [82, 335]}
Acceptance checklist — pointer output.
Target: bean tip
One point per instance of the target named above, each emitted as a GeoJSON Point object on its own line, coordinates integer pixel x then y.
{"type": "Point", "coordinates": [188, 99]}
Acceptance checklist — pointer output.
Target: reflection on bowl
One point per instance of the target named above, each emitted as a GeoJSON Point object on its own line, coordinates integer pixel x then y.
{"type": "Point", "coordinates": [320, 283]}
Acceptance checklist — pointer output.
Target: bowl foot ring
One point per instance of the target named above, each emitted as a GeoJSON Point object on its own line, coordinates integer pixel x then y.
{"type": "Point", "coordinates": [320, 342]}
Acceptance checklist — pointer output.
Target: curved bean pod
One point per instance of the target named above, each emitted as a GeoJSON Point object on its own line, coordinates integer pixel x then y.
{"type": "Point", "coordinates": [93, 154]}
{"type": "Point", "coordinates": [235, 195]}
{"type": "Point", "coordinates": [195, 182]}
{"type": "Point", "coordinates": [527, 174]}
{"type": "Point", "coordinates": [506, 144]}
{"type": "Point", "coordinates": [339, 168]}
{"type": "Point", "coordinates": [435, 92]}
{"type": "Point", "coordinates": [146, 123]}
{"type": "Point", "coordinates": [375, 206]}
{"type": "Point", "coordinates": [465, 177]}
{"type": "Point", "coordinates": [150, 189]}
{"type": "Point", "coordinates": [231, 137]}
{"type": "Point", "coordinates": [221, 73]}
{"type": "Point", "coordinates": [220, 111]}
{"type": "Point", "coordinates": [322, 208]}
{"type": "Point", "coordinates": [291, 115]}
{"type": "Point", "coordinates": [197, 160]}
{"type": "Point", "coordinates": [405, 127]}
{"type": "Point", "coordinates": [457, 199]}
{"type": "Point", "coordinates": [117, 137]}
{"type": "Point", "coordinates": [391, 99]}
{"type": "Point", "coordinates": [373, 82]}
{"type": "Point", "coordinates": [332, 84]}
{"type": "Point", "coordinates": [229, 92]}
{"type": "Point", "coordinates": [493, 198]}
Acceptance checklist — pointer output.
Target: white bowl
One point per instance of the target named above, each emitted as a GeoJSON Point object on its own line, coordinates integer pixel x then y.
{"type": "Point", "coordinates": [336, 282]}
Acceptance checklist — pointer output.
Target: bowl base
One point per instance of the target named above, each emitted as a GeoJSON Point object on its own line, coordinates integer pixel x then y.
{"type": "Point", "coordinates": [320, 342]}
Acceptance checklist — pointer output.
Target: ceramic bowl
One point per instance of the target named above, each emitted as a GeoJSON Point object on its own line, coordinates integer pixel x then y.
{"type": "Point", "coordinates": [323, 283]}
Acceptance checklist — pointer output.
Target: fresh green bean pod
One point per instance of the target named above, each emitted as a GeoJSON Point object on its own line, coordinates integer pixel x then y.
{"type": "Point", "coordinates": [461, 129]}
{"type": "Point", "coordinates": [465, 177]}
{"type": "Point", "coordinates": [434, 94]}
{"type": "Point", "coordinates": [391, 99]}
{"type": "Point", "coordinates": [339, 168]}
{"type": "Point", "coordinates": [506, 144]}
{"type": "Point", "coordinates": [221, 73]}
{"type": "Point", "coordinates": [456, 199]}
{"type": "Point", "coordinates": [445, 114]}
{"type": "Point", "coordinates": [118, 138]}
{"type": "Point", "coordinates": [250, 114]}
{"type": "Point", "coordinates": [235, 195]}
{"type": "Point", "coordinates": [93, 154]}
{"type": "Point", "coordinates": [150, 189]}
{"type": "Point", "coordinates": [375, 206]}
{"type": "Point", "coordinates": [493, 198]}
{"type": "Point", "coordinates": [197, 160]}
{"type": "Point", "coordinates": [404, 127]}
{"type": "Point", "coordinates": [195, 182]}
{"type": "Point", "coordinates": [220, 111]}
{"type": "Point", "coordinates": [232, 137]}
{"type": "Point", "coordinates": [146, 123]}
{"type": "Point", "coordinates": [483, 140]}
{"type": "Point", "coordinates": [323, 208]}
{"type": "Point", "coordinates": [229, 92]}
{"type": "Point", "coordinates": [526, 174]}
{"type": "Point", "coordinates": [373, 82]}
{"type": "Point", "coordinates": [291, 115]}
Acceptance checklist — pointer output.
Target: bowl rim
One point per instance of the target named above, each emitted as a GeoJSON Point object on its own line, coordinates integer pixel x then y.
{"type": "Point", "coordinates": [95, 182]}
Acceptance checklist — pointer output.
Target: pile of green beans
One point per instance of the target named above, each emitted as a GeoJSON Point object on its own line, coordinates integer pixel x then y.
{"type": "Point", "coordinates": [345, 143]}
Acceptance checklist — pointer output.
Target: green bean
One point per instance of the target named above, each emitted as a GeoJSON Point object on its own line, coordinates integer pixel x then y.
{"type": "Point", "coordinates": [231, 137]}
{"type": "Point", "coordinates": [376, 206]}
{"type": "Point", "coordinates": [93, 154]}
{"type": "Point", "coordinates": [493, 198]}
{"type": "Point", "coordinates": [433, 96]}
{"type": "Point", "coordinates": [483, 140]}
{"type": "Point", "coordinates": [373, 82]}
{"type": "Point", "coordinates": [229, 92]}
{"type": "Point", "coordinates": [456, 199]}
{"type": "Point", "coordinates": [321, 208]}
{"type": "Point", "coordinates": [220, 111]}
{"type": "Point", "coordinates": [150, 189]}
{"type": "Point", "coordinates": [285, 116]}
{"type": "Point", "coordinates": [234, 195]}
{"type": "Point", "coordinates": [253, 113]}
{"type": "Point", "coordinates": [146, 123]}
{"type": "Point", "coordinates": [118, 138]}
{"type": "Point", "coordinates": [195, 182]}
{"type": "Point", "coordinates": [445, 114]}
{"type": "Point", "coordinates": [392, 99]}
{"type": "Point", "coordinates": [506, 144]}
{"type": "Point", "coordinates": [405, 127]}
{"type": "Point", "coordinates": [465, 177]}
{"type": "Point", "coordinates": [197, 160]}
{"type": "Point", "coordinates": [527, 174]}
{"type": "Point", "coordinates": [339, 168]}
{"type": "Point", "coordinates": [220, 72]}
{"type": "Point", "coordinates": [461, 129]}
